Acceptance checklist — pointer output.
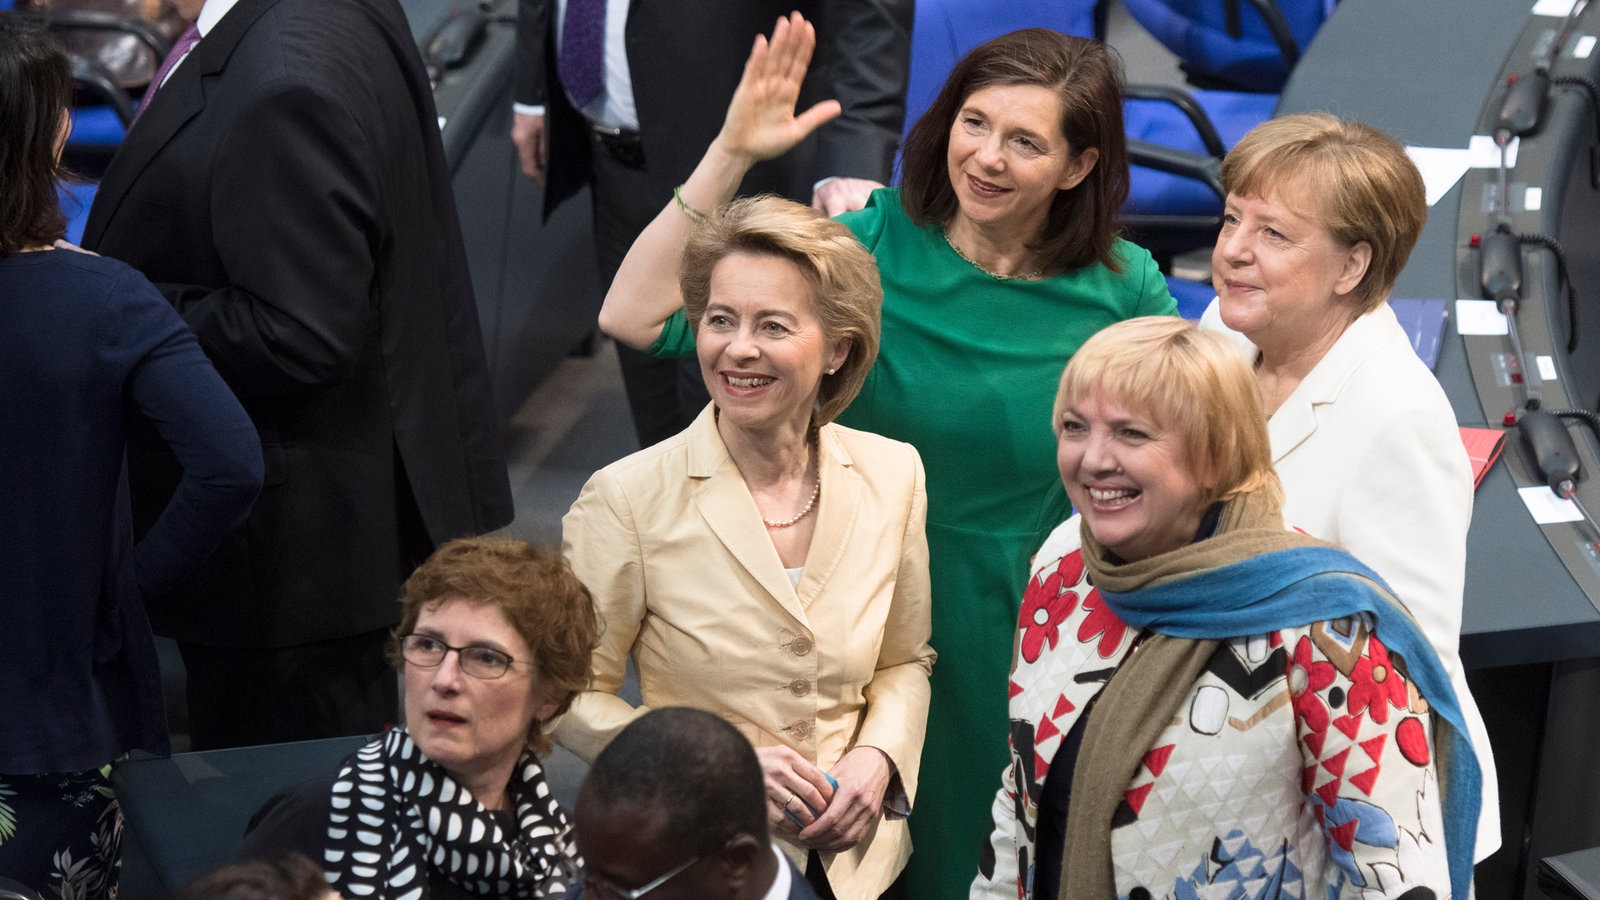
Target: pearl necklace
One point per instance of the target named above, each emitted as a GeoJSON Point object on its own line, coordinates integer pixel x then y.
{"type": "Point", "coordinates": [1035, 275]}
{"type": "Point", "coordinates": [816, 491]}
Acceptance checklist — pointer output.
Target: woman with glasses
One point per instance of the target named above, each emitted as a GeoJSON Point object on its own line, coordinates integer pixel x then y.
{"type": "Point", "coordinates": [494, 640]}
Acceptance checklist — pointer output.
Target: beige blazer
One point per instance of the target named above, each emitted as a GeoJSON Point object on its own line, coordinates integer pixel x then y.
{"type": "Point", "coordinates": [688, 583]}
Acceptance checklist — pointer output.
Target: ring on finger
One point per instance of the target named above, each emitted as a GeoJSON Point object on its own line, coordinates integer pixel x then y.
{"type": "Point", "coordinates": [788, 801]}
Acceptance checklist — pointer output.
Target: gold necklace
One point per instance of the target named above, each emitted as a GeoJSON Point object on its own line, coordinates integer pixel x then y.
{"type": "Point", "coordinates": [1035, 275]}
{"type": "Point", "coordinates": [816, 491]}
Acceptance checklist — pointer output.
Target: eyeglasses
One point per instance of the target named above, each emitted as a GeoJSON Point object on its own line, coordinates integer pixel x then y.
{"type": "Point", "coordinates": [603, 888]}
{"type": "Point", "coordinates": [484, 663]}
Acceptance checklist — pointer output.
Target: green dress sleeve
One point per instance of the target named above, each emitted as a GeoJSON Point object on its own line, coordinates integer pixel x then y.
{"type": "Point", "coordinates": [676, 339]}
{"type": "Point", "coordinates": [1154, 297]}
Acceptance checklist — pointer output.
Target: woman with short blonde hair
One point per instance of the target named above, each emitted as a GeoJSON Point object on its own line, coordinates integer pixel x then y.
{"type": "Point", "coordinates": [1202, 701]}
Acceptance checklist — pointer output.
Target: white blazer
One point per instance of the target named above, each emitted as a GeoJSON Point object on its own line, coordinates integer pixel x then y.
{"type": "Point", "coordinates": [1371, 459]}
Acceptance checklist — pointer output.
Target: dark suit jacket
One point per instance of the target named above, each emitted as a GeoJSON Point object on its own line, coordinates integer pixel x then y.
{"type": "Point", "coordinates": [799, 889]}
{"type": "Point", "coordinates": [287, 192]}
{"type": "Point", "coordinates": [685, 59]}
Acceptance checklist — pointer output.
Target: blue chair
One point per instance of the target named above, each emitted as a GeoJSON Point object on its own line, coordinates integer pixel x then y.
{"type": "Point", "coordinates": [1178, 138]}
{"type": "Point", "coordinates": [1221, 44]}
{"type": "Point", "coordinates": [1176, 141]}
{"type": "Point", "coordinates": [187, 813]}
{"type": "Point", "coordinates": [97, 129]}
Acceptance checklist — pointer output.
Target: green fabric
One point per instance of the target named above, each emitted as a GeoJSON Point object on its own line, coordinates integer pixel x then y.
{"type": "Point", "coordinates": [967, 374]}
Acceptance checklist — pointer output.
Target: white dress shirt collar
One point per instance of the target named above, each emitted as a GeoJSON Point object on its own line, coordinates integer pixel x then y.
{"type": "Point", "coordinates": [212, 13]}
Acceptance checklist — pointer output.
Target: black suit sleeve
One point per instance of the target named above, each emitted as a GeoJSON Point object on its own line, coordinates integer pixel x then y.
{"type": "Point", "coordinates": [866, 46]}
{"type": "Point", "coordinates": [296, 224]}
{"type": "Point", "coordinates": [175, 386]}
{"type": "Point", "coordinates": [533, 25]}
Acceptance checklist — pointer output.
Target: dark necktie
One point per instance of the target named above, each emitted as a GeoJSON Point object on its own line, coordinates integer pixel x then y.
{"type": "Point", "coordinates": [186, 41]}
{"type": "Point", "coordinates": [582, 61]}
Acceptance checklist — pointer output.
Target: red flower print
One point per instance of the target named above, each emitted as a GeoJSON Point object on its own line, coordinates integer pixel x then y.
{"type": "Point", "coordinates": [1375, 685]}
{"type": "Point", "coordinates": [1045, 605]}
{"type": "Point", "coordinates": [1306, 678]}
{"type": "Point", "coordinates": [1102, 621]}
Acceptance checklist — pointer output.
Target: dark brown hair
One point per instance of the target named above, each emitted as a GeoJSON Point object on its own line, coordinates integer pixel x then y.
{"type": "Point", "coordinates": [538, 593]}
{"type": "Point", "coordinates": [288, 877]}
{"type": "Point", "coordinates": [1087, 76]}
{"type": "Point", "coordinates": [35, 90]}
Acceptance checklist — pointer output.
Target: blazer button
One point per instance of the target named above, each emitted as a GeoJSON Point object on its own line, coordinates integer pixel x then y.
{"type": "Point", "coordinates": [800, 646]}
{"type": "Point", "coordinates": [799, 687]}
{"type": "Point", "coordinates": [801, 729]}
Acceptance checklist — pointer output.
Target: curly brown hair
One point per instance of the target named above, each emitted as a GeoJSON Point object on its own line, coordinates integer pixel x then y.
{"type": "Point", "coordinates": [539, 595]}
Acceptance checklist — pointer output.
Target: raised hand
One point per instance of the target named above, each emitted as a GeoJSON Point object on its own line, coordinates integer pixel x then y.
{"type": "Point", "coordinates": [761, 122]}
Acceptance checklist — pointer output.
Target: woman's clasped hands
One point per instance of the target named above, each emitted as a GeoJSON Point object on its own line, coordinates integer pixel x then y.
{"type": "Point", "coordinates": [829, 816]}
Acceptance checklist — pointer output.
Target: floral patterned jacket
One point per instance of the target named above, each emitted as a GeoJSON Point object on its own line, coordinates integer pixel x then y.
{"type": "Point", "coordinates": [1300, 766]}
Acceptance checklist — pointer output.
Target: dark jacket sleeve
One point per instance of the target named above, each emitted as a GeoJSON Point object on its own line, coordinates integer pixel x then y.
{"type": "Point", "coordinates": [292, 821]}
{"type": "Point", "coordinates": [866, 47]}
{"type": "Point", "coordinates": [533, 25]}
{"type": "Point", "coordinates": [175, 387]}
{"type": "Point", "coordinates": [297, 317]}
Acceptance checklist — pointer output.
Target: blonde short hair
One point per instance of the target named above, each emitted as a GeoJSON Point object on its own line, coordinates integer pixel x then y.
{"type": "Point", "coordinates": [1360, 181]}
{"type": "Point", "coordinates": [845, 289]}
{"type": "Point", "coordinates": [1191, 382]}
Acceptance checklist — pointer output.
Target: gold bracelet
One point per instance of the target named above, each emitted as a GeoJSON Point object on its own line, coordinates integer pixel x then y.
{"type": "Point", "coordinates": [691, 212]}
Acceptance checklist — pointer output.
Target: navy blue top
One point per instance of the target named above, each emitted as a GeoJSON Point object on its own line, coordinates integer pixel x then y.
{"type": "Point", "coordinates": [86, 344]}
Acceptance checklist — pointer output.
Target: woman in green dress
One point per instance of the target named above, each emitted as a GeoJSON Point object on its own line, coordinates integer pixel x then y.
{"type": "Point", "coordinates": [999, 257]}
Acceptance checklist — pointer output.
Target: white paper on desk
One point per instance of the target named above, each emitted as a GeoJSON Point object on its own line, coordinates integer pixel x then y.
{"type": "Point", "coordinates": [1553, 7]}
{"type": "Point", "coordinates": [1441, 168]}
{"type": "Point", "coordinates": [1480, 317]}
{"type": "Point", "coordinates": [1486, 153]}
{"type": "Point", "coordinates": [1546, 508]}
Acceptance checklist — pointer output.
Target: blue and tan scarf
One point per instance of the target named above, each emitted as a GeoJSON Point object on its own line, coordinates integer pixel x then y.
{"type": "Point", "coordinates": [1250, 577]}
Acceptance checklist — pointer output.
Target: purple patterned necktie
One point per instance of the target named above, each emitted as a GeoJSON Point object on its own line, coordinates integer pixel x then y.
{"type": "Point", "coordinates": [186, 41]}
{"type": "Point", "coordinates": [582, 60]}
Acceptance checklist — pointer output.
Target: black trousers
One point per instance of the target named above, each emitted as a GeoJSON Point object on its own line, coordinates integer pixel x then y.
{"type": "Point", "coordinates": [241, 697]}
{"type": "Point", "coordinates": [664, 395]}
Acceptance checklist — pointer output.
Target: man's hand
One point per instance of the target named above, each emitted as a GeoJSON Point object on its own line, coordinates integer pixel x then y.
{"type": "Point", "coordinates": [527, 132]}
{"type": "Point", "coordinates": [840, 195]}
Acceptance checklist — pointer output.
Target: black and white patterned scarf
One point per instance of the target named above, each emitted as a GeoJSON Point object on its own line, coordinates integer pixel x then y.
{"type": "Point", "coordinates": [397, 816]}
